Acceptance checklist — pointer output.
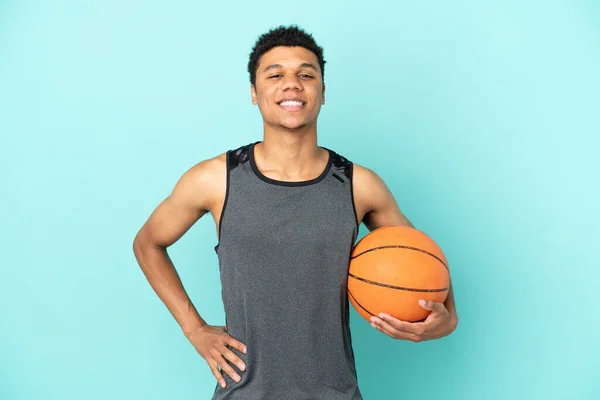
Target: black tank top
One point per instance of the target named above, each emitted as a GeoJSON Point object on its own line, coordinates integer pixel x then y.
{"type": "Point", "coordinates": [283, 251]}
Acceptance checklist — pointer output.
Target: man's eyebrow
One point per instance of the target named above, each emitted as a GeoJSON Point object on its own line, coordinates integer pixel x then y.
{"type": "Point", "coordinates": [303, 65]}
{"type": "Point", "coordinates": [309, 65]}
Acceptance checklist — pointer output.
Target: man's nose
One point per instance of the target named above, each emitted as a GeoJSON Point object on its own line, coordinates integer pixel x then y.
{"type": "Point", "coordinates": [291, 83]}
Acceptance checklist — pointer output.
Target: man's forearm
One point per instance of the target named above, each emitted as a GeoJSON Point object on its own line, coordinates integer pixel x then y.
{"type": "Point", "coordinates": [164, 279]}
{"type": "Point", "coordinates": [449, 303]}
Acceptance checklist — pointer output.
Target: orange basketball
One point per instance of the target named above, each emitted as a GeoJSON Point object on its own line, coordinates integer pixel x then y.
{"type": "Point", "coordinates": [392, 268]}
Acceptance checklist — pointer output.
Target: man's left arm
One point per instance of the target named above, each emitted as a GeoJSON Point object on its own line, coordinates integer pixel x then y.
{"type": "Point", "coordinates": [379, 208]}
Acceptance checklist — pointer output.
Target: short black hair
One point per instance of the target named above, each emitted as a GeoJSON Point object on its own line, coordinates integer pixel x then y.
{"type": "Point", "coordinates": [288, 36]}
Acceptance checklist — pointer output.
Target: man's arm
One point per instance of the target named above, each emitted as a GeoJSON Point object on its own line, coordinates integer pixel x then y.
{"type": "Point", "coordinates": [192, 197]}
{"type": "Point", "coordinates": [200, 190]}
{"type": "Point", "coordinates": [376, 203]}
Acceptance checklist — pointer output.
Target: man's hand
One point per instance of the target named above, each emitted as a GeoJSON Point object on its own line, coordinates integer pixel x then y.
{"type": "Point", "coordinates": [439, 323]}
{"type": "Point", "coordinates": [211, 343]}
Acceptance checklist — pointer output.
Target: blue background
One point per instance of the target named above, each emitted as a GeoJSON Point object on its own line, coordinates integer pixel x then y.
{"type": "Point", "coordinates": [482, 118]}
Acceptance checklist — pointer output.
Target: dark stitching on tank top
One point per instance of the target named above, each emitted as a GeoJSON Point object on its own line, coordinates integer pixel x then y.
{"type": "Point", "coordinates": [342, 164]}
{"type": "Point", "coordinates": [397, 287]}
{"type": "Point", "coordinates": [337, 177]}
{"type": "Point", "coordinates": [402, 247]}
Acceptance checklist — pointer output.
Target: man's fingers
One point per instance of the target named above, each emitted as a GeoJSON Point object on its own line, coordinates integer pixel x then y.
{"type": "Point", "coordinates": [228, 369]}
{"type": "Point", "coordinates": [236, 344]}
{"type": "Point", "coordinates": [432, 306]}
{"type": "Point", "coordinates": [415, 328]}
{"type": "Point", "coordinates": [215, 371]}
{"type": "Point", "coordinates": [396, 334]}
{"type": "Point", "coordinates": [231, 356]}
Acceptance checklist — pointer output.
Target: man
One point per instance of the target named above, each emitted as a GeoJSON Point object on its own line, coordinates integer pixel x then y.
{"type": "Point", "coordinates": [287, 214]}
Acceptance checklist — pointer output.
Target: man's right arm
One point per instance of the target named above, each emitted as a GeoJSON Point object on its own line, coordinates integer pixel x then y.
{"type": "Point", "coordinates": [194, 195]}
{"type": "Point", "coordinates": [200, 190]}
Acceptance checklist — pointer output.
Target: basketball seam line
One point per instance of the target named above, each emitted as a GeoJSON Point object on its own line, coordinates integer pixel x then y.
{"type": "Point", "coordinates": [369, 312]}
{"type": "Point", "coordinates": [360, 305]}
{"type": "Point", "coordinates": [401, 247]}
{"type": "Point", "coordinates": [396, 287]}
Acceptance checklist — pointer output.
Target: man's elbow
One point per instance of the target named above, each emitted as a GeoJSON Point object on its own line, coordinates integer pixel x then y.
{"type": "Point", "coordinates": [141, 242]}
{"type": "Point", "coordinates": [137, 245]}
{"type": "Point", "coordinates": [454, 323]}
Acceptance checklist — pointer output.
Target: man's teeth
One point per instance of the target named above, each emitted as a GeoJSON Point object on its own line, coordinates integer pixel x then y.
{"type": "Point", "coordinates": [291, 103]}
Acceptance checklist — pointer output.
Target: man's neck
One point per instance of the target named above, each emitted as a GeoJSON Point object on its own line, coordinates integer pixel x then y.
{"type": "Point", "coordinates": [292, 154]}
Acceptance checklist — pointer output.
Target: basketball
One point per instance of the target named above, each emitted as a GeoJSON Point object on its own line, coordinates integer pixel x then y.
{"type": "Point", "coordinates": [392, 268]}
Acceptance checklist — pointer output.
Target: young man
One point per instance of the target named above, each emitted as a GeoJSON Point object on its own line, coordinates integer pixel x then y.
{"type": "Point", "coordinates": [287, 214]}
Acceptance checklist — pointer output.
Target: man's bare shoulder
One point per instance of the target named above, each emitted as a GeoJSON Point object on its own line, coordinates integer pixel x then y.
{"type": "Point", "coordinates": [204, 183]}
{"type": "Point", "coordinates": [368, 187]}
{"type": "Point", "coordinates": [364, 179]}
{"type": "Point", "coordinates": [374, 200]}
{"type": "Point", "coordinates": [210, 169]}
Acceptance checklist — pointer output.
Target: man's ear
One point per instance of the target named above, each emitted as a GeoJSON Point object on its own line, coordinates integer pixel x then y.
{"type": "Point", "coordinates": [323, 94]}
{"type": "Point", "coordinates": [253, 94]}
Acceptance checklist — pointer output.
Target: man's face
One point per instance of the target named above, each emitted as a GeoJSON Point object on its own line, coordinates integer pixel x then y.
{"type": "Point", "coordinates": [289, 87]}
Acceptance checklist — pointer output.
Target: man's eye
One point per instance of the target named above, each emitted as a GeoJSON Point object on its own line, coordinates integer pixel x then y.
{"type": "Point", "coordinates": [275, 76]}
{"type": "Point", "coordinates": [306, 76]}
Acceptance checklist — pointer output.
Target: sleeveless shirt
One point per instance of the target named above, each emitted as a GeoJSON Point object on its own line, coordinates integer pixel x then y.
{"type": "Point", "coordinates": [283, 250]}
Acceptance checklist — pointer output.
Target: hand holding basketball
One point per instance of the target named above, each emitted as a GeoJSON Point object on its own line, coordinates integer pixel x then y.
{"type": "Point", "coordinates": [392, 268]}
{"type": "Point", "coordinates": [439, 323]}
